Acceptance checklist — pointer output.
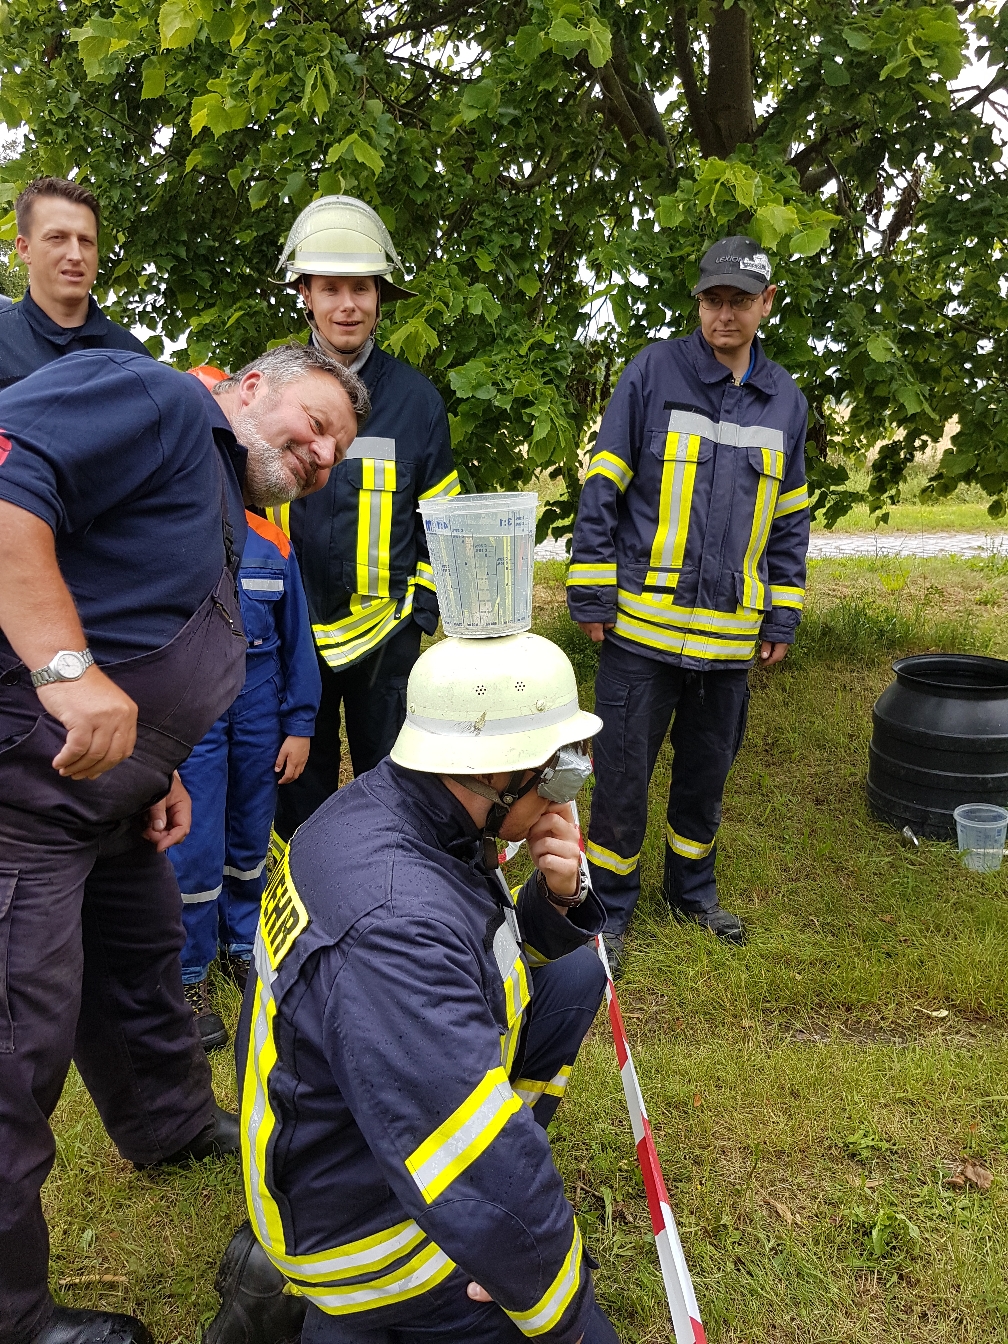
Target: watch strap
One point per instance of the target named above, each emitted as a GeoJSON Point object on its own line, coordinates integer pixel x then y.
{"type": "Point", "coordinates": [47, 676]}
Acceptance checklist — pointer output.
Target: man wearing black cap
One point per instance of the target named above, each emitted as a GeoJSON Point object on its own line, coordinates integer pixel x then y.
{"type": "Point", "coordinates": [688, 558]}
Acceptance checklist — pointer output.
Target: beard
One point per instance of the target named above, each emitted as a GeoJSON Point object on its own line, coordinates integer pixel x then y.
{"type": "Point", "coordinates": [268, 481]}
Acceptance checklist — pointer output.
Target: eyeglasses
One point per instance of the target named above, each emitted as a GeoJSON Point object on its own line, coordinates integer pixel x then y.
{"type": "Point", "coordinates": [740, 303]}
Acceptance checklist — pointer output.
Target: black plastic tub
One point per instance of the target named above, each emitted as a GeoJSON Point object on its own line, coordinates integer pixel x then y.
{"type": "Point", "coordinates": [939, 738]}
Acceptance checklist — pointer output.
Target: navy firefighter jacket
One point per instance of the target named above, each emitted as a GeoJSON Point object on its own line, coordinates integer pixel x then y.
{"type": "Point", "coordinates": [386, 1153]}
{"type": "Point", "coordinates": [275, 617]}
{"type": "Point", "coordinates": [693, 522]}
{"type": "Point", "coordinates": [360, 539]}
{"type": "Point", "coordinates": [29, 338]}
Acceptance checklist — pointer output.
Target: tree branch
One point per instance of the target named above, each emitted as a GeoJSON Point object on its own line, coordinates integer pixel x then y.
{"type": "Point", "coordinates": [999, 81]}
{"type": "Point", "coordinates": [710, 141]}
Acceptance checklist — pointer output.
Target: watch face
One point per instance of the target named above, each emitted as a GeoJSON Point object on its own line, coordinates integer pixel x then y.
{"type": "Point", "coordinates": [69, 665]}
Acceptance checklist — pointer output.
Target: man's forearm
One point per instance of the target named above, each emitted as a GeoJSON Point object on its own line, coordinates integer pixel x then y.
{"type": "Point", "coordinates": [37, 612]}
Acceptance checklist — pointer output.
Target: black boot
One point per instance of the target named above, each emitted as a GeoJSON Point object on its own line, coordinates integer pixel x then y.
{"type": "Point", "coordinates": [213, 1032]}
{"type": "Point", "coordinates": [254, 1308]}
{"type": "Point", "coordinates": [724, 925]}
{"type": "Point", "coordinates": [614, 951]}
{"type": "Point", "coordinates": [68, 1326]}
{"type": "Point", "coordinates": [238, 968]}
{"type": "Point", "coordinates": [220, 1138]}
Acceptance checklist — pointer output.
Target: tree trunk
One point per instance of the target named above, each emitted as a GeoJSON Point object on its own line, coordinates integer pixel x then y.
{"type": "Point", "coordinates": [724, 116]}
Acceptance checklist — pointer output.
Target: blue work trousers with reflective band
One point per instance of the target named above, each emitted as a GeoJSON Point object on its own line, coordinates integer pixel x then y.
{"type": "Point", "coordinates": [220, 865]}
{"type": "Point", "coordinates": [636, 698]}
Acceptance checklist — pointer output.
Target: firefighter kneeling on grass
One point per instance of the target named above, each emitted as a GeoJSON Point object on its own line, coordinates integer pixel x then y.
{"type": "Point", "coordinates": [414, 1026]}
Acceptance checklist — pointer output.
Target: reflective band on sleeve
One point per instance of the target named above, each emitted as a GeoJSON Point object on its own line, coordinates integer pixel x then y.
{"type": "Point", "coordinates": [783, 596]}
{"type": "Point", "coordinates": [444, 488]}
{"type": "Point", "coordinates": [531, 1089]}
{"type": "Point", "coordinates": [370, 621]}
{"type": "Point", "coordinates": [467, 1133]}
{"type": "Point", "coordinates": [687, 849]}
{"type": "Point", "coordinates": [605, 858]}
{"type": "Point", "coordinates": [792, 502]}
{"type": "Point", "coordinates": [675, 501]}
{"type": "Point", "coordinates": [548, 1311]}
{"type": "Point", "coordinates": [425, 576]}
{"type": "Point", "coordinates": [201, 897]}
{"type": "Point", "coordinates": [612, 467]}
{"type": "Point", "coordinates": [596, 576]}
{"type": "Point", "coordinates": [262, 585]}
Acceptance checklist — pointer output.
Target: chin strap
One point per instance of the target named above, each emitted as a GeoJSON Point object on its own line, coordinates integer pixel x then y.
{"type": "Point", "coordinates": [502, 805]}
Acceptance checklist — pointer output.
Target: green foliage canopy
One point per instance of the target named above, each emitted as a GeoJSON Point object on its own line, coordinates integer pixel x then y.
{"type": "Point", "coordinates": [551, 171]}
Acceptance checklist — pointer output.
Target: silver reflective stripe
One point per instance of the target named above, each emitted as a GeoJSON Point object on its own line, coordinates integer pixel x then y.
{"type": "Point", "coordinates": [260, 1034]}
{"type": "Point", "coordinates": [262, 585]}
{"type": "Point", "coordinates": [726, 431]}
{"type": "Point", "coordinates": [201, 897]}
{"type": "Point", "coordinates": [244, 874]}
{"type": "Point", "coordinates": [304, 261]}
{"type": "Point", "coordinates": [427, 1175]}
{"type": "Point", "coordinates": [505, 946]}
{"type": "Point", "coordinates": [372, 447]}
{"type": "Point", "coordinates": [430, 1271]}
{"type": "Point", "coordinates": [339, 1263]}
{"type": "Point", "coordinates": [494, 727]}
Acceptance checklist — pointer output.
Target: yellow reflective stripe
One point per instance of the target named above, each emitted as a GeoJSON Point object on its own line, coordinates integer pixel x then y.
{"type": "Point", "coordinates": [374, 525]}
{"type": "Point", "coordinates": [781, 595]}
{"type": "Point", "coordinates": [257, 1119]}
{"type": "Point", "coordinates": [710, 646]}
{"type": "Point", "coordinates": [792, 502]}
{"type": "Point", "coordinates": [548, 1311]}
{"type": "Point", "coordinates": [354, 1258]}
{"type": "Point", "coordinates": [533, 956]}
{"type": "Point", "coordinates": [675, 501]}
{"type": "Point", "coordinates": [687, 849]}
{"type": "Point", "coordinates": [662, 579]}
{"type": "Point", "coordinates": [753, 593]}
{"type": "Point", "coordinates": [612, 467]}
{"type": "Point", "coordinates": [275, 854]}
{"type": "Point", "coordinates": [531, 1089]}
{"type": "Point", "coordinates": [420, 1274]}
{"type": "Point", "coordinates": [447, 487]}
{"type": "Point", "coordinates": [279, 516]}
{"type": "Point", "coordinates": [468, 1132]}
{"type": "Point", "coordinates": [424, 576]}
{"type": "Point", "coordinates": [698, 620]}
{"type": "Point", "coordinates": [773, 462]}
{"type": "Point", "coordinates": [606, 858]}
{"type": "Point", "coordinates": [370, 621]}
{"type": "Point", "coordinates": [516, 991]}
{"type": "Point", "coordinates": [601, 575]}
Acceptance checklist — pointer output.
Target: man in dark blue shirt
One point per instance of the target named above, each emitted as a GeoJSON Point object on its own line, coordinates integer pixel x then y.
{"type": "Point", "coordinates": [57, 240]}
{"type": "Point", "coordinates": [121, 524]}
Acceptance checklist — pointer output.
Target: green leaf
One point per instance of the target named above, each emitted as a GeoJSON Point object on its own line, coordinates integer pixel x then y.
{"type": "Point", "coordinates": [260, 194]}
{"type": "Point", "coordinates": [529, 284]}
{"type": "Point", "coordinates": [835, 75]}
{"type": "Point", "coordinates": [528, 43]}
{"type": "Point", "coordinates": [563, 32]}
{"type": "Point", "coordinates": [880, 348]}
{"type": "Point", "coordinates": [178, 24]}
{"type": "Point", "coordinates": [599, 42]}
{"type": "Point", "coordinates": [153, 78]}
{"type": "Point", "coordinates": [806, 242]}
{"type": "Point", "coordinates": [856, 38]}
{"type": "Point", "coordinates": [773, 222]}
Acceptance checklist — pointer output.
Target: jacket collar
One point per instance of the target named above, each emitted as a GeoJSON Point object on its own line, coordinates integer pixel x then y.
{"type": "Point", "coordinates": [712, 371]}
{"type": "Point", "coordinates": [433, 808]}
{"type": "Point", "coordinates": [95, 325]}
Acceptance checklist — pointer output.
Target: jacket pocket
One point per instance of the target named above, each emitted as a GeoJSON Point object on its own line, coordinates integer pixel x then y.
{"type": "Point", "coordinates": [259, 587]}
{"type": "Point", "coordinates": [768, 466]}
{"type": "Point", "coordinates": [384, 491]}
{"type": "Point", "coordinates": [684, 476]}
{"type": "Point", "coordinates": [8, 882]}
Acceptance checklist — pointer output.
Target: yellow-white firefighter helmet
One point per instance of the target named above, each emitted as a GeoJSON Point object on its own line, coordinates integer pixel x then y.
{"type": "Point", "coordinates": [481, 706]}
{"type": "Point", "coordinates": [340, 235]}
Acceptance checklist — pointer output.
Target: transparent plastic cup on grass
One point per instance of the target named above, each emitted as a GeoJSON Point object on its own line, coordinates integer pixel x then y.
{"type": "Point", "coordinates": [482, 553]}
{"type": "Point", "coordinates": [981, 828]}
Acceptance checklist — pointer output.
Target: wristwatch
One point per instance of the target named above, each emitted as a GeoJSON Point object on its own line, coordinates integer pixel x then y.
{"type": "Point", "coordinates": [568, 902]}
{"type": "Point", "coordinates": [66, 665]}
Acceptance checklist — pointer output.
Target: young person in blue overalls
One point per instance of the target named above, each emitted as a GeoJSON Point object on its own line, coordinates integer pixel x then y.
{"type": "Point", "coordinates": [233, 773]}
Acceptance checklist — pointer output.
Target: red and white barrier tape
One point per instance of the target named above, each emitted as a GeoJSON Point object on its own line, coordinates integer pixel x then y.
{"type": "Point", "coordinates": [675, 1272]}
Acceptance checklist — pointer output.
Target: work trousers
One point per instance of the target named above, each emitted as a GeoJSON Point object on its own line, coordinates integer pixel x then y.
{"type": "Point", "coordinates": [636, 698]}
{"type": "Point", "coordinates": [372, 692]}
{"type": "Point", "coordinates": [90, 934]}
{"type": "Point", "coordinates": [565, 998]}
{"type": "Point", "coordinates": [221, 864]}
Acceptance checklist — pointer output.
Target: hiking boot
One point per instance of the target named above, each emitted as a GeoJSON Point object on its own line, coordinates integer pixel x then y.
{"type": "Point", "coordinates": [254, 1307]}
{"type": "Point", "coordinates": [724, 925]}
{"type": "Point", "coordinates": [67, 1325]}
{"type": "Point", "coordinates": [614, 951]}
{"type": "Point", "coordinates": [221, 1137]}
{"type": "Point", "coordinates": [238, 968]}
{"type": "Point", "coordinates": [213, 1032]}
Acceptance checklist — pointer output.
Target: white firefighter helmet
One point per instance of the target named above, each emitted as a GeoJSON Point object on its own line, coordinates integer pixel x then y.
{"type": "Point", "coordinates": [482, 706]}
{"type": "Point", "coordinates": [340, 235]}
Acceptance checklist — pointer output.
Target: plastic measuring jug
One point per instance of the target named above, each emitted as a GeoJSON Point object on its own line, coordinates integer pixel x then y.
{"type": "Point", "coordinates": [482, 553]}
{"type": "Point", "coordinates": [981, 828]}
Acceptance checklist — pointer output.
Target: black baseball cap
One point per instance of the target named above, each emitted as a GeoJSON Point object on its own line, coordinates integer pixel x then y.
{"type": "Point", "coordinates": [736, 261]}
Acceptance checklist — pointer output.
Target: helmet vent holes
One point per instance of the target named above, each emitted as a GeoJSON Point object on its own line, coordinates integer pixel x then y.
{"type": "Point", "coordinates": [481, 690]}
{"type": "Point", "coordinates": [519, 685]}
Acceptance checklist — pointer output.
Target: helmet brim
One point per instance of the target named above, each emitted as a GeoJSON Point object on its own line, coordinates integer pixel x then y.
{"type": "Point", "coordinates": [390, 291]}
{"type": "Point", "coordinates": [452, 754]}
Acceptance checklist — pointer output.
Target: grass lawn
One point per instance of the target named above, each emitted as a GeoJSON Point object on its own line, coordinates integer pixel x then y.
{"type": "Point", "coordinates": [813, 1096]}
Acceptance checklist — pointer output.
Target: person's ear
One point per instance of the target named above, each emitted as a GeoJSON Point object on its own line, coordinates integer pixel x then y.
{"type": "Point", "coordinates": [305, 292]}
{"type": "Point", "coordinates": [251, 386]}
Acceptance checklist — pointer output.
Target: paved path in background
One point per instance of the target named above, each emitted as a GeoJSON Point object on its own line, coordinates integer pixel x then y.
{"type": "Point", "coordinates": [837, 546]}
